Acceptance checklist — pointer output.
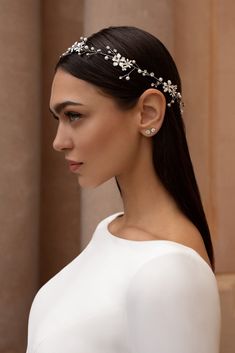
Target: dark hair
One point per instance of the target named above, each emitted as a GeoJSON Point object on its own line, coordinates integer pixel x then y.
{"type": "Point", "coordinates": [171, 156]}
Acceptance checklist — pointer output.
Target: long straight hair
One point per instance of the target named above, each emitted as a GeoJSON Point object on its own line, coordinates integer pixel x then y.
{"type": "Point", "coordinates": [171, 157]}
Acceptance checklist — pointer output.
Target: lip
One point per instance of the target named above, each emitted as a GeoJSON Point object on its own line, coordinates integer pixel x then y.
{"type": "Point", "coordinates": [74, 165]}
{"type": "Point", "coordinates": [72, 162]}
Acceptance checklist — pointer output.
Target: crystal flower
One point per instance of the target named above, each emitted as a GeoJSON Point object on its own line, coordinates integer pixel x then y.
{"type": "Point", "coordinates": [122, 62]}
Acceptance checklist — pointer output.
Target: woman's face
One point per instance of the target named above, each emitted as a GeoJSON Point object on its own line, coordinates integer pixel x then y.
{"type": "Point", "coordinates": [92, 130]}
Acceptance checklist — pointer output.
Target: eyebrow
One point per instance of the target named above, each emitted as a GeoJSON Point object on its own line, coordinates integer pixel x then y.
{"type": "Point", "coordinates": [60, 106]}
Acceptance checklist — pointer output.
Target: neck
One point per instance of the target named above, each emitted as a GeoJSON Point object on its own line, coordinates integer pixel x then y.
{"type": "Point", "coordinates": [146, 202]}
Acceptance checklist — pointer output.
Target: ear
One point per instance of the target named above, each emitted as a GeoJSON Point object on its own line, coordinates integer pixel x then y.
{"type": "Point", "coordinates": [151, 110]}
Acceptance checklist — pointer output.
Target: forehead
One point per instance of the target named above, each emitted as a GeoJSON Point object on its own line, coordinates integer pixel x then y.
{"type": "Point", "coordinates": [69, 88]}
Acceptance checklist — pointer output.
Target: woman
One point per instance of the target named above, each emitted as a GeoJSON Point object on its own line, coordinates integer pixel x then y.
{"type": "Point", "coordinates": [145, 282]}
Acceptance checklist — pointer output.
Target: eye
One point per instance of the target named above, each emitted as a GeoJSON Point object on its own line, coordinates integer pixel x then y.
{"type": "Point", "coordinates": [73, 116]}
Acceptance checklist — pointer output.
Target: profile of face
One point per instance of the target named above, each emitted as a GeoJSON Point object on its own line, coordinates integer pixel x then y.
{"type": "Point", "coordinates": [93, 130]}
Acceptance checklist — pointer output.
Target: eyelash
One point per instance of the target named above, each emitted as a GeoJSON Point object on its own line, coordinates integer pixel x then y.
{"type": "Point", "coordinates": [72, 115]}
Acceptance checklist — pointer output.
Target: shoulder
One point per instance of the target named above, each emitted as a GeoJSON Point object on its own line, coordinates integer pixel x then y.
{"type": "Point", "coordinates": [179, 271]}
{"type": "Point", "coordinates": [172, 303]}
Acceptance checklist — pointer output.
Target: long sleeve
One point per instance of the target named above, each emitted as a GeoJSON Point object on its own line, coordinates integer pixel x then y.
{"type": "Point", "coordinates": [173, 306]}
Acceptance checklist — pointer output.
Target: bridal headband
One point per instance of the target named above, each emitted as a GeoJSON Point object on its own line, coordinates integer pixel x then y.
{"type": "Point", "coordinates": [128, 66]}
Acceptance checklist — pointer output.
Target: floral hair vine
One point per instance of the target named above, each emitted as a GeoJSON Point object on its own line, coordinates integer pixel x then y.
{"type": "Point", "coordinates": [125, 64]}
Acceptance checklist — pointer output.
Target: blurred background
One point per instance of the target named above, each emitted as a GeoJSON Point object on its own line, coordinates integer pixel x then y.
{"type": "Point", "coordinates": [45, 219]}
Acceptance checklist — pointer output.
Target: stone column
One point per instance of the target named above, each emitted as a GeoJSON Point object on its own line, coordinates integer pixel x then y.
{"type": "Point", "coordinates": [193, 56]}
{"type": "Point", "coordinates": [223, 176]}
{"type": "Point", "coordinates": [223, 123]}
{"type": "Point", "coordinates": [60, 200]}
{"type": "Point", "coordinates": [20, 167]}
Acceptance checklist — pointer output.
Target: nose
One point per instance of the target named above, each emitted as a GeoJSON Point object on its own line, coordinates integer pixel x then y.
{"type": "Point", "coordinates": [62, 139]}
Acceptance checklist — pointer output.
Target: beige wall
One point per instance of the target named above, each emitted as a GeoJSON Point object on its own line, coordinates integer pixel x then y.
{"type": "Point", "coordinates": [42, 210]}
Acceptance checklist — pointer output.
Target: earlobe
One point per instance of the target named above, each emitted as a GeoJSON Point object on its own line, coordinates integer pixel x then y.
{"type": "Point", "coordinates": [152, 106]}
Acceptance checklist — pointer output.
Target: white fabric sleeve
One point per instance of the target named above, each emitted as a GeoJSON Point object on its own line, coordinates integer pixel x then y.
{"type": "Point", "coordinates": [173, 306]}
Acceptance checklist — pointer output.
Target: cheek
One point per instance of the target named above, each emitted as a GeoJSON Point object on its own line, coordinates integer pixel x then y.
{"type": "Point", "coordinates": [109, 144]}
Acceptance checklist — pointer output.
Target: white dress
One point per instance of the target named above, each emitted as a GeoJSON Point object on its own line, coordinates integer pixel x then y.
{"type": "Point", "coordinates": [126, 296]}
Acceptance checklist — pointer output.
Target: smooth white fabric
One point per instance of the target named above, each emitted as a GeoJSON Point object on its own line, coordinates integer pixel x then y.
{"type": "Point", "coordinates": [125, 296]}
